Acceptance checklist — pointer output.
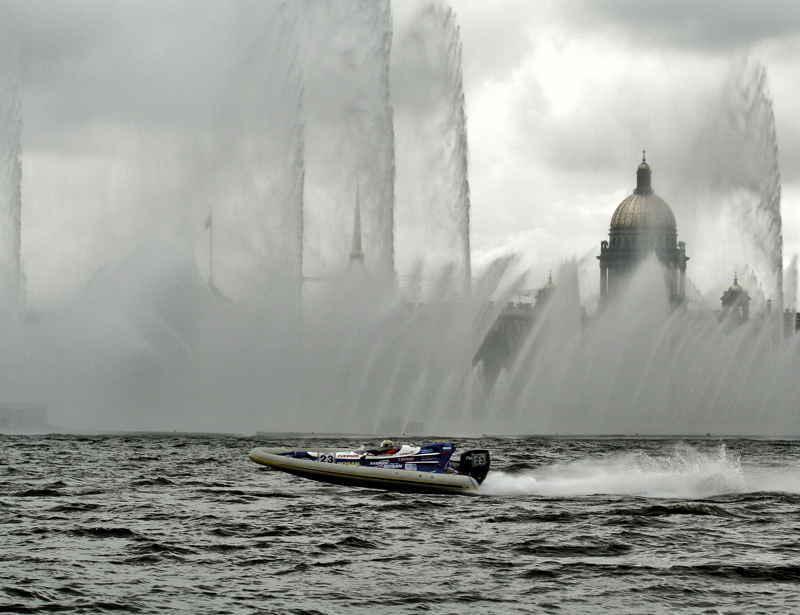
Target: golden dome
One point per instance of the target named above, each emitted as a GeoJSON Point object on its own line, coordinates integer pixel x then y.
{"type": "Point", "coordinates": [643, 209]}
{"type": "Point", "coordinates": [735, 288]}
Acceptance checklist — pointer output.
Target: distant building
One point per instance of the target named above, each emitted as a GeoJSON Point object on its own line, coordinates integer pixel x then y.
{"type": "Point", "coordinates": [509, 332]}
{"type": "Point", "coordinates": [642, 224]}
{"type": "Point", "coordinates": [735, 303]}
{"type": "Point", "coordinates": [545, 292]}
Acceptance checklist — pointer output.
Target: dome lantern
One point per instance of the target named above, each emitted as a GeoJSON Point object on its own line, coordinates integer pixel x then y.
{"type": "Point", "coordinates": [643, 175]}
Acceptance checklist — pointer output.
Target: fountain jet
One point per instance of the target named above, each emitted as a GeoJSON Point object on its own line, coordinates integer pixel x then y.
{"type": "Point", "coordinates": [11, 292]}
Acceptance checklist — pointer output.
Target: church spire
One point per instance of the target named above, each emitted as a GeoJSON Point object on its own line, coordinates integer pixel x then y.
{"type": "Point", "coordinates": [356, 254]}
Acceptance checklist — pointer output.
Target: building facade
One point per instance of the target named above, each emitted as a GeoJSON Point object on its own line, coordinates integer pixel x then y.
{"type": "Point", "coordinates": [642, 224]}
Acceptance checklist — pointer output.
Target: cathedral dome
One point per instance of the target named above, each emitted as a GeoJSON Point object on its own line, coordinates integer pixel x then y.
{"type": "Point", "coordinates": [735, 288]}
{"type": "Point", "coordinates": [643, 224]}
{"type": "Point", "coordinates": [643, 209]}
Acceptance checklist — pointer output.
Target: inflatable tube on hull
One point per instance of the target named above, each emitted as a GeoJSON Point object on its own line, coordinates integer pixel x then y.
{"type": "Point", "coordinates": [410, 481]}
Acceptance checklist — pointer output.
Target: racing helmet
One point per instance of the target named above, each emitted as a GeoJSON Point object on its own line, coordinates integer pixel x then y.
{"type": "Point", "coordinates": [386, 445]}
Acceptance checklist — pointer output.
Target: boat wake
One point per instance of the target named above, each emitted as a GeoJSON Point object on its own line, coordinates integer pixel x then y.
{"type": "Point", "coordinates": [683, 473]}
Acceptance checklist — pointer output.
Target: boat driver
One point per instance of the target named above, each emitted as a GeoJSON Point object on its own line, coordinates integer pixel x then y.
{"type": "Point", "coordinates": [387, 448]}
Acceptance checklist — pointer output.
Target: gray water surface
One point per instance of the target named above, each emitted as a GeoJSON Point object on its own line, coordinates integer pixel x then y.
{"type": "Point", "coordinates": [156, 524]}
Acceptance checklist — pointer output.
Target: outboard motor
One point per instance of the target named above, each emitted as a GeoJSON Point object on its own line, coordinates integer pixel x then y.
{"type": "Point", "coordinates": [475, 463]}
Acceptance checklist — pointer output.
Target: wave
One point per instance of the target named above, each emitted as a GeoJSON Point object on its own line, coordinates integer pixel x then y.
{"type": "Point", "coordinates": [685, 472]}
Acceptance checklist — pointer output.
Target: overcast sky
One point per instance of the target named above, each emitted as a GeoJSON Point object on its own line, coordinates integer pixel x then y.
{"type": "Point", "coordinates": [128, 105]}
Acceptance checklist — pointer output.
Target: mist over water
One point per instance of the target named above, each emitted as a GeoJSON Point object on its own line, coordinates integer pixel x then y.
{"type": "Point", "coordinates": [640, 369]}
{"type": "Point", "coordinates": [151, 344]}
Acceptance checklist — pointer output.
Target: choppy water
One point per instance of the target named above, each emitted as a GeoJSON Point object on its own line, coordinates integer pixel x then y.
{"type": "Point", "coordinates": [189, 525]}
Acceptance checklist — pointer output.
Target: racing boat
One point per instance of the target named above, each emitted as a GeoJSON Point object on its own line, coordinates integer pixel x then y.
{"type": "Point", "coordinates": [417, 469]}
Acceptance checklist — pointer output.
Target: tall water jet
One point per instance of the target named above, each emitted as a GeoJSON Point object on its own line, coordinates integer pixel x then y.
{"type": "Point", "coordinates": [744, 173]}
{"type": "Point", "coordinates": [438, 207]}
{"type": "Point", "coordinates": [11, 290]}
{"type": "Point", "coordinates": [251, 171]}
{"type": "Point", "coordinates": [462, 204]}
{"type": "Point", "coordinates": [295, 198]}
{"type": "Point", "coordinates": [378, 153]}
{"type": "Point", "coordinates": [350, 132]}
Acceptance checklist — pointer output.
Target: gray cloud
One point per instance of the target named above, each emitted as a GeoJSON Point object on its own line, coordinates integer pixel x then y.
{"type": "Point", "coordinates": [502, 32]}
{"type": "Point", "coordinates": [164, 67]}
{"type": "Point", "coordinates": [713, 25]}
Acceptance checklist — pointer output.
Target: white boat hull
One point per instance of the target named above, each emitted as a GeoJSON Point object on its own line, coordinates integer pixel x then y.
{"type": "Point", "coordinates": [363, 476]}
